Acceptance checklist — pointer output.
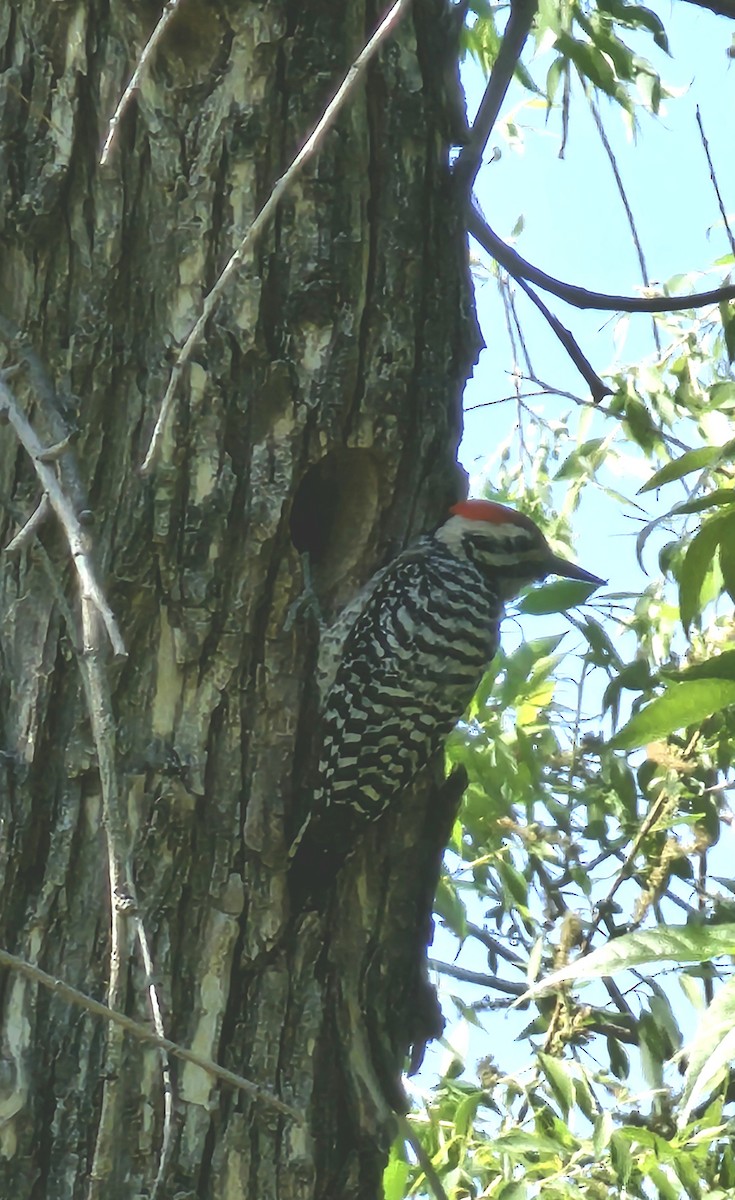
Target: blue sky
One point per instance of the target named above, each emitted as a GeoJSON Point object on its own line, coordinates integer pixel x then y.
{"type": "Point", "coordinates": [575, 228]}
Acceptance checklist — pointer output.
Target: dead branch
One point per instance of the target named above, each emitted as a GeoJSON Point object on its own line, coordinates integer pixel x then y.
{"type": "Point", "coordinates": [143, 1034]}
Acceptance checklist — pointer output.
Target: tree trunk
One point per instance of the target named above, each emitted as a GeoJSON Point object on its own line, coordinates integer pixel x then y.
{"type": "Point", "coordinates": [322, 406]}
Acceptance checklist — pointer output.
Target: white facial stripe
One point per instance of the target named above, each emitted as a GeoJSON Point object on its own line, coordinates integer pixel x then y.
{"type": "Point", "coordinates": [455, 529]}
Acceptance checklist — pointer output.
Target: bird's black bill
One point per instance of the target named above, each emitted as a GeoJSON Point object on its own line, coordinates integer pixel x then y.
{"type": "Point", "coordinates": [560, 566]}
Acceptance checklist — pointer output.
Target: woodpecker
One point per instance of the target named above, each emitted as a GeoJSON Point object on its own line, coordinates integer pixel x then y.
{"type": "Point", "coordinates": [402, 662]}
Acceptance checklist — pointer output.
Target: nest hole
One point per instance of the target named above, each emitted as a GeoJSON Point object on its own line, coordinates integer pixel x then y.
{"type": "Point", "coordinates": [333, 516]}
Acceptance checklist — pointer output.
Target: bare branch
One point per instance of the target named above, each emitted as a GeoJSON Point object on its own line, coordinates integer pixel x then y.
{"type": "Point", "coordinates": [598, 389]}
{"type": "Point", "coordinates": [579, 297]}
{"type": "Point", "coordinates": [124, 102]}
{"type": "Point", "coordinates": [99, 706]}
{"type": "Point", "coordinates": [489, 981]}
{"type": "Point", "coordinates": [143, 1034]}
{"type": "Point", "coordinates": [311, 145]}
{"type": "Point", "coordinates": [90, 589]}
{"type": "Point", "coordinates": [713, 177]}
{"type": "Point", "coordinates": [626, 206]}
{"type": "Point", "coordinates": [522, 14]}
{"type": "Point", "coordinates": [723, 8]}
{"type": "Point", "coordinates": [27, 531]}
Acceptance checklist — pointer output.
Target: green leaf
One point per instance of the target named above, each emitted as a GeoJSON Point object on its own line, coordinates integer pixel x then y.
{"type": "Point", "coordinates": [711, 1051]}
{"type": "Point", "coordinates": [722, 666]}
{"type": "Point", "coordinates": [681, 705]}
{"type": "Point", "coordinates": [693, 460]}
{"type": "Point", "coordinates": [591, 64]}
{"type": "Point", "coordinates": [639, 421]}
{"type": "Point", "coordinates": [727, 314]}
{"type": "Point", "coordinates": [604, 1129]}
{"type": "Point", "coordinates": [557, 1073]}
{"type": "Point", "coordinates": [465, 1113]}
{"type": "Point", "coordinates": [555, 597]}
{"type": "Point", "coordinates": [711, 500]}
{"type": "Point", "coordinates": [678, 943]}
{"type": "Point", "coordinates": [512, 1191]}
{"type": "Point", "coordinates": [519, 1142]}
{"type": "Point", "coordinates": [450, 907]}
{"type": "Point", "coordinates": [727, 557]}
{"type": "Point", "coordinates": [395, 1176]}
{"type": "Point", "coordinates": [697, 562]}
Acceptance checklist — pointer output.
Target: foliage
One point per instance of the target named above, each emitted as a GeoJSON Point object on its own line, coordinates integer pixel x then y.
{"type": "Point", "coordinates": [586, 874]}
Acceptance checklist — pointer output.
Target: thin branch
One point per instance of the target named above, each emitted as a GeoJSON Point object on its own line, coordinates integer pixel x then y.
{"type": "Point", "coordinates": [713, 177]}
{"type": "Point", "coordinates": [311, 145]}
{"type": "Point", "coordinates": [495, 946]}
{"type": "Point", "coordinates": [627, 869]}
{"type": "Point", "coordinates": [75, 536]}
{"type": "Point", "coordinates": [154, 1002]}
{"type": "Point", "coordinates": [520, 21]}
{"type": "Point", "coordinates": [598, 389]}
{"type": "Point", "coordinates": [31, 526]}
{"type": "Point", "coordinates": [169, 9]}
{"type": "Point", "coordinates": [626, 205]}
{"type": "Point", "coordinates": [143, 1034]}
{"type": "Point", "coordinates": [427, 1166]}
{"type": "Point", "coordinates": [99, 707]}
{"type": "Point", "coordinates": [478, 978]}
{"type": "Point", "coordinates": [723, 8]}
{"type": "Point", "coordinates": [580, 297]}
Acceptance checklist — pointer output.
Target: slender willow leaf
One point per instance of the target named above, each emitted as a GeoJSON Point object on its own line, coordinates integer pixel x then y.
{"type": "Point", "coordinates": [555, 597]}
{"type": "Point", "coordinates": [712, 1049]}
{"type": "Point", "coordinates": [693, 460]}
{"type": "Point", "coordinates": [722, 666]}
{"type": "Point", "coordinates": [682, 704]}
{"type": "Point", "coordinates": [727, 556]}
{"type": "Point", "coordinates": [678, 943]}
{"type": "Point", "coordinates": [697, 562]}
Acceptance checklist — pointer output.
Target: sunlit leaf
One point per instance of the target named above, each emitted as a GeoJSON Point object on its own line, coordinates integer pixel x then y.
{"type": "Point", "coordinates": [557, 1073]}
{"type": "Point", "coordinates": [693, 460]}
{"type": "Point", "coordinates": [720, 666]}
{"type": "Point", "coordinates": [395, 1176]}
{"type": "Point", "coordinates": [711, 1051]}
{"type": "Point", "coordinates": [681, 705]}
{"type": "Point", "coordinates": [697, 562]}
{"type": "Point", "coordinates": [683, 943]}
{"type": "Point", "coordinates": [555, 597]}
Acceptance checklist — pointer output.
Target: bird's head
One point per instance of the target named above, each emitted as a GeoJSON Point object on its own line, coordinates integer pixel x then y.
{"type": "Point", "coordinates": [506, 546]}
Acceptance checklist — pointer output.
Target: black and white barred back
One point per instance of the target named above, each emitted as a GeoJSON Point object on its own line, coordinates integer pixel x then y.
{"type": "Point", "coordinates": [404, 662]}
{"type": "Point", "coordinates": [410, 666]}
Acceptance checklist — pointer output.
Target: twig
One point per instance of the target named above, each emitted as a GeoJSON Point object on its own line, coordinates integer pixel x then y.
{"type": "Point", "coordinates": [522, 13]}
{"type": "Point", "coordinates": [123, 903]}
{"type": "Point", "coordinates": [143, 1034]}
{"type": "Point", "coordinates": [713, 177]}
{"type": "Point", "coordinates": [477, 977]}
{"type": "Point", "coordinates": [626, 870]}
{"type": "Point", "coordinates": [122, 894]}
{"type": "Point", "coordinates": [99, 706]}
{"type": "Point", "coordinates": [149, 49]}
{"type": "Point", "coordinates": [723, 8]}
{"type": "Point", "coordinates": [27, 531]}
{"type": "Point", "coordinates": [433, 1180]}
{"type": "Point", "coordinates": [626, 205]}
{"type": "Point", "coordinates": [311, 145]}
{"type": "Point", "coordinates": [495, 946]}
{"type": "Point", "coordinates": [598, 389]}
{"type": "Point", "coordinates": [167, 1141]}
{"type": "Point", "coordinates": [61, 505]}
{"type": "Point", "coordinates": [580, 297]}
